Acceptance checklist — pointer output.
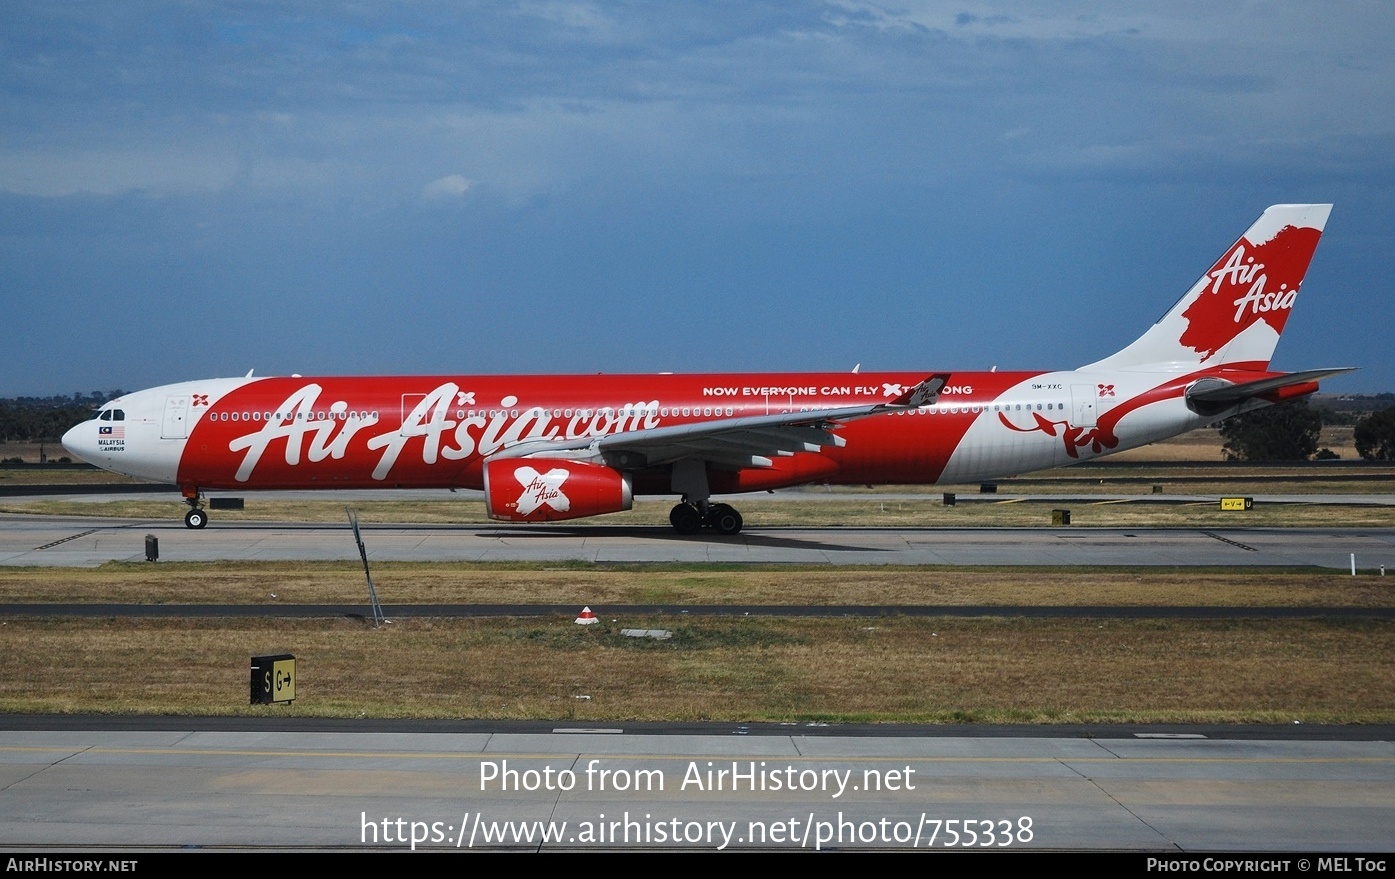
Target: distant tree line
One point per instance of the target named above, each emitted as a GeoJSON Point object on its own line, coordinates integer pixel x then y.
{"type": "Point", "coordinates": [1346, 410]}
{"type": "Point", "coordinates": [1290, 431]}
{"type": "Point", "coordinates": [35, 419]}
{"type": "Point", "coordinates": [1375, 436]}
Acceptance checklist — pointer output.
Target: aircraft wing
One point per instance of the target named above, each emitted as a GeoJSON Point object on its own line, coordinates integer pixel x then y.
{"type": "Point", "coordinates": [749, 441]}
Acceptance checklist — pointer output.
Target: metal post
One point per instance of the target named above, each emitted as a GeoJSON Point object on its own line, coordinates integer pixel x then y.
{"type": "Point", "coordinates": [373, 605]}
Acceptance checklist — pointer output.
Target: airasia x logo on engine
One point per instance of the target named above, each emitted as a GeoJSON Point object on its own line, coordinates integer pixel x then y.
{"type": "Point", "coordinates": [1251, 283]}
{"type": "Point", "coordinates": [541, 489]}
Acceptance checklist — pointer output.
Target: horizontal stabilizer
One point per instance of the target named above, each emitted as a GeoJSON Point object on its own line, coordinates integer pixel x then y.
{"type": "Point", "coordinates": [1217, 394]}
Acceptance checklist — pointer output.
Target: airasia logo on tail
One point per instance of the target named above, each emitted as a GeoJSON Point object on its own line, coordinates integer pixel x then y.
{"type": "Point", "coordinates": [1251, 283]}
{"type": "Point", "coordinates": [1239, 271]}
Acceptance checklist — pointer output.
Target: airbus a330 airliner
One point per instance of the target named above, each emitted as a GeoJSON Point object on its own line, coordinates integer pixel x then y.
{"type": "Point", "coordinates": [545, 448]}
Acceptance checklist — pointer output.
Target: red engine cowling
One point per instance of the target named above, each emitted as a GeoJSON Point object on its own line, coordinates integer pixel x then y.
{"type": "Point", "coordinates": [549, 489]}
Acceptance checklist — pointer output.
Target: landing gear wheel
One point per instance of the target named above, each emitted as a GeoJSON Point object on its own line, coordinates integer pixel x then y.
{"type": "Point", "coordinates": [685, 519]}
{"type": "Point", "coordinates": [195, 519]}
{"type": "Point", "coordinates": [724, 520]}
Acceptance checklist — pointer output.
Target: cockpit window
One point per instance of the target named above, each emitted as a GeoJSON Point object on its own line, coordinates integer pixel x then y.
{"type": "Point", "coordinates": [104, 415]}
{"type": "Point", "coordinates": [111, 415]}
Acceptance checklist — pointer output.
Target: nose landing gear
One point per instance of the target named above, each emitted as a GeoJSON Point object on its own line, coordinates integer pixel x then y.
{"type": "Point", "coordinates": [197, 517]}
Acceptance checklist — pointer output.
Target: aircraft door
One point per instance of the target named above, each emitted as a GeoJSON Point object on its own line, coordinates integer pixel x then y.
{"type": "Point", "coordinates": [176, 422]}
{"type": "Point", "coordinates": [409, 405]}
{"type": "Point", "coordinates": [1084, 405]}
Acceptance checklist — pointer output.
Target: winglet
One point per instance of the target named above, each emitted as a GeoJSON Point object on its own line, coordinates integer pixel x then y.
{"type": "Point", "coordinates": [923, 394]}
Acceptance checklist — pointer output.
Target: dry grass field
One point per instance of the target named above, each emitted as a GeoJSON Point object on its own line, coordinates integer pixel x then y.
{"type": "Point", "coordinates": [578, 583]}
{"type": "Point", "coordinates": [889, 668]}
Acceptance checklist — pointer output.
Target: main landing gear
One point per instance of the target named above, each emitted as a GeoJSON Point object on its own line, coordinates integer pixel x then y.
{"type": "Point", "coordinates": [197, 517]}
{"type": "Point", "coordinates": [686, 518]}
{"type": "Point", "coordinates": [689, 479]}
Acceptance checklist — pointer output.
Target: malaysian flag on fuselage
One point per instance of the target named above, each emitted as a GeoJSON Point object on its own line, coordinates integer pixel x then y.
{"type": "Point", "coordinates": [111, 431]}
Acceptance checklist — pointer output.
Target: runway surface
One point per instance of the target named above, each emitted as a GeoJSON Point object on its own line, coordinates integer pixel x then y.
{"type": "Point", "coordinates": [87, 542]}
{"type": "Point", "coordinates": [1119, 790]}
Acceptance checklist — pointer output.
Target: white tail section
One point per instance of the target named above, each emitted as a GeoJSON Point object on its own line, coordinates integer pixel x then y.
{"type": "Point", "coordinates": [1236, 312]}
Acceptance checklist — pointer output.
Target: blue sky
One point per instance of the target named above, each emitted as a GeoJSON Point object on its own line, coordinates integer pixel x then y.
{"type": "Point", "coordinates": [190, 190]}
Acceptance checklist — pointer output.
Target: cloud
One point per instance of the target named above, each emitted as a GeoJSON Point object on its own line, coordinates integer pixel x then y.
{"type": "Point", "coordinates": [607, 149]}
{"type": "Point", "coordinates": [450, 186]}
{"type": "Point", "coordinates": [155, 169]}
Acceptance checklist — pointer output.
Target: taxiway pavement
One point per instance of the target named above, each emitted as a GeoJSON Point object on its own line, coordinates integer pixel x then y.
{"type": "Point", "coordinates": [605, 787]}
{"type": "Point", "coordinates": [79, 541]}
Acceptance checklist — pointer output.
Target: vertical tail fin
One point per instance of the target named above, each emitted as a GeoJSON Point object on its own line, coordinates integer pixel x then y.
{"type": "Point", "coordinates": [1235, 313]}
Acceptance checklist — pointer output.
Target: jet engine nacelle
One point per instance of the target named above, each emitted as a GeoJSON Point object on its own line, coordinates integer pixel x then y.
{"type": "Point", "coordinates": [549, 489]}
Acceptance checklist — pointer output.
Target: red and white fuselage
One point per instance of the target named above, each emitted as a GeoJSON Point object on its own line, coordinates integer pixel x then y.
{"type": "Point", "coordinates": [536, 442]}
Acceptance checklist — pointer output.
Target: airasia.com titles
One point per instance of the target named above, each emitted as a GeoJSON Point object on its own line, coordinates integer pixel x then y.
{"type": "Point", "coordinates": [435, 420]}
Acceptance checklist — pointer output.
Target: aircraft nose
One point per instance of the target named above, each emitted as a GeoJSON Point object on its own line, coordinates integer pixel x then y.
{"type": "Point", "coordinates": [79, 441]}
